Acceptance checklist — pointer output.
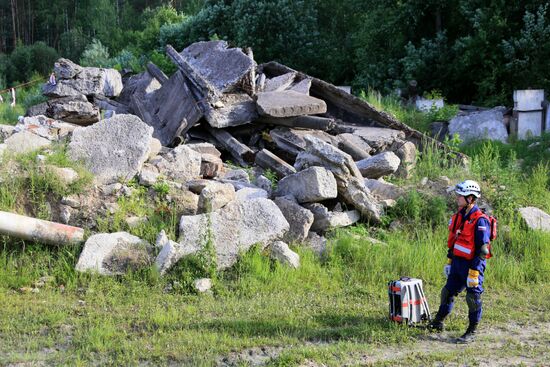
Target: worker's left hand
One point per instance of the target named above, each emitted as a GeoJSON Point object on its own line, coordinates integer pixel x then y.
{"type": "Point", "coordinates": [473, 278]}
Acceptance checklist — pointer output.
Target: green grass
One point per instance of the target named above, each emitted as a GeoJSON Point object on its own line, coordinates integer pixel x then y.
{"type": "Point", "coordinates": [329, 310]}
{"type": "Point", "coordinates": [25, 98]}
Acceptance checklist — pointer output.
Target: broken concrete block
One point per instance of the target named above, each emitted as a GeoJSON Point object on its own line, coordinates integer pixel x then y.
{"type": "Point", "coordinates": [302, 86]}
{"type": "Point", "coordinates": [170, 254]}
{"type": "Point", "coordinates": [6, 131]}
{"type": "Point", "coordinates": [384, 190]}
{"type": "Point", "coordinates": [83, 80]}
{"type": "Point", "coordinates": [301, 122]}
{"type": "Point", "coordinates": [237, 175]}
{"type": "Point", "coordinates": [113, 148]}
{"type": "Point", "coordinates": [148, 177]}
{"type": "Point", "coordinates": [231, 230]}
{"type": "Point", "coordinates": [215, 196]}
{"type": "Point", "coordinates": [211, 166]}
{"type": "Point", "coordinates": [289, 104]}
{"type": "Point", "coordinates": [66, 176]}
{"type": "Point", "coordinates": [299, 218]}
{"type": "Point", "coordinates": [249, 193]}
{"type": "Point", "coordinates": [265, 184]}
{"type": "Point", "coordinates": [317, 243]}
{"type": "Point", "coordinates": [354, 146]}
{"type": "Point", "coordinates": [282, 253]}
{"type": "Point", "coordinates": [324, 219]}
{"type": "Point", "coordinates": [73, 109]}
{"type": "Point", "coordinates": [535, 218]}
{"type": "Point", "coordinates": [222, 66]}
{"type": "Point", "coordinates": [232, 110]}
{"type": "Point", "coordinates": [181, 164]}
{"type": "Point", "coordinates": [379, 165]}
{"type": "Point", "coordinates": [287, 140]}
{"type": "Point", "coordinates": [279, 83]}
{"type": "Point", "coordinates": [406, 151]}
{"type": "Point", "coordinates": [480, 125]}
{"type": "Point", "coordinates": [239, 151]}
{"type": "Point", "coordinates": [310, 185]}
{"type": "Point", "coordinates": [205, 148]}
{"type": "Point", "coordinates": [114, 253]}
{"type": "Point", "coordinates": [268, 160]}
{"type": "Point", "coordinates": [379, 138]}
{"type": "Point", "coordinates": [25, 142]}
{"type": "Point", "coordinates": [154, 148]}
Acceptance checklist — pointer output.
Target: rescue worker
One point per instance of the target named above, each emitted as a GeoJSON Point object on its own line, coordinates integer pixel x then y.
{"type": "Point", "coordinates": [468, 243]}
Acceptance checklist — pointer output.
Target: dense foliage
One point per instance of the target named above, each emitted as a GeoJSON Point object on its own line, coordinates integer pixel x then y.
{"type": "Point", "coordinates": [472, 51]}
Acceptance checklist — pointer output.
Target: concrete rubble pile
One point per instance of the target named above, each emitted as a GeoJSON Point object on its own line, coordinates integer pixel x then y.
{"type": "Point", "coordinates": [320, 143]}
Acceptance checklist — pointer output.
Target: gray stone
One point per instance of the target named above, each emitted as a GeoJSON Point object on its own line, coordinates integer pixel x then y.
{"type": "Point", "coordinates": [205, 148]}
{"type": "Point", "coordinates": [289, 104]}
{"type": "Point", "coordinates": [211, 166]}
{"type": "Point", "coordinates": [74, 109]}
{"type": "Point", "coordinates": [135, 221]}
{"type": "Point", "coordinates": [310, 185]}
{"type": "Point", "coordinates": [73, 201]}
{"type": "Point", "coordinates": [181, 164]}
{"type": "Point", "coordinates": [480, 125]}
{"type": "Point", "coordinates": [6, 131]}
{"type": "Point", "coordinates": [357, 141]}
{"type": "Point", "coordinates": [154, 148]}
{"type": "Point", "coordinates": [325, 220]}
{"type": "Point", "coordinates": [112, 149]}
{"type": "Point", "coordinates": [83, 80]}
{"type": "Point", "coordinates": [25, 142]}
{"type": "Point", "coordinates": [196, 186]}
{"type": "Point", "coordinates": [45, 127]}
{"type": "Point", "coordinates": [384, 190]}
{"type": "Point", "coordinates": [249, 193]}
{"type": "Point", "coordinates": [221, 66]}
{"type": "Point", "coordinates": [406, 152]}
{"type": "Point", "coordinates": [265, 184]}
{"type": "Point", "coordinates": [302, 86]}
{"type": "Point", "coordinates": [348, 178]}
{"type": "Point", "coordinates": [3, 148]}
{"type": "Point", "coordinates": [215, 196]}
{"type": "Point", "coordinates": [148, 177]}
{"type": "Point", "coordinates": [233, 110]}
{"type": "Point", "coordinates": [379, 138]}
{"type": "Point", "coordinates": [535, 218]}
{"type": "Point", "coordinates": [114, 253]}
{"type": "Point", "coordinates": [66, 176]}
{"type": "Point", "coordinates": [202, 285]}
{"type": "Point", "coordinates": [231, 230]}
{"type": "Point", "coordinates": [170, 253]}
{"type": "Point", "coordinates": [237, 175]}
{"type": "Point", "coordinates": [379, 165]}
{"type": "Point", "coordinates": [299, 218]}
{"type": "Point", "coordinates": [280, 252]}
{"type": "Point", "coordinates": [317, 243]}
{"type": "Point", "coordinates": [111, 189]}
{"type": "Point", "coordinates": [64, 214]}
{"type": "Point", "coordinates": [279, 83]}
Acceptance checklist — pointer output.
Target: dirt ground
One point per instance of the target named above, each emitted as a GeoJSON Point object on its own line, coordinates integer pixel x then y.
{"type": "Point", "coordinates": [507, 345]}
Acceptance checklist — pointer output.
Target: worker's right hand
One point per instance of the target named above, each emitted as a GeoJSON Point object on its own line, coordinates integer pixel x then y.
{"type": "Point", "coordinates": [447, 268]}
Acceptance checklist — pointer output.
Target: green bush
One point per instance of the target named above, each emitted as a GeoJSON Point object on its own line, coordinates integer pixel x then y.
{"type": "Point", "coordinates": [95, 55]}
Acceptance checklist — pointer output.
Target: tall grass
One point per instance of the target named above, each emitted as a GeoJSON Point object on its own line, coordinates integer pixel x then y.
{"type": "Point", "coordinates": [25, 98]}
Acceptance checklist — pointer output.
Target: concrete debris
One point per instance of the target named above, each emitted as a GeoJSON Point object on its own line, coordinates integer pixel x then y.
{"type": "Point", "coordinates": [181, 164]}
{"type": "Point", "coordinates": [25, 142]}
{"type": "Point", "coordinates": [202, 285]}
{"type": "Point", "coordinates": [215, 196]}
{"type": "Point", "coordinates": [302, 86]}
{"type": "Point", "coordinates": [112, 149]}
{"type": "Point", "coordinates": [279, 83]}
{"type": "Point", "coordinates": [289, 104]}
{"type": "Point", "coordinates": [480, 125]}
{"type": "Point", "coordinates": [45, 127]}
{"type": "Point", "coordinates": [384, 190]}
{"type": "Point", "coordinates": [280, 252]}
{"type": "Point", "coordinates": [74, 109]}
{"type": "Point", "coordinates": [114, 254]}
{"type": "Point", "coordinates": [379, 165]}
{"type": "Point", "coordinates": [325, 219]}
{"type": "Point", "coordinates": [6, 131]}
{"type": "Point", "coordinates": [249, 193]}
{"type": "Point", "coordinates": [299, 218]}
{"type": "Point", "coordinates": [310, 185]}
{"type": "Point", "coordinates": [268, 160]}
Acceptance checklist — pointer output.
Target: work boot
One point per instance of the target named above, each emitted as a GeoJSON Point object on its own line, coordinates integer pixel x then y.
{"type": "Point", "coordinates": [436, 324]}
{"type": "Point", "coordinates": [469, 336]}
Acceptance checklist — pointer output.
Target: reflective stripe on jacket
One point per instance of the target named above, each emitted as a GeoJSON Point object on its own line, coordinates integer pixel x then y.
{"type": "Point", "coordinates": [462, 235]}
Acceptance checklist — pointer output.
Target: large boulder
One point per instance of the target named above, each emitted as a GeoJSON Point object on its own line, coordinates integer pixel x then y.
{"type": "Point", "coordinates": [535, 218]}
{"type": "Point", "coordinates": [480, 125]}
{"type": "Point", "coordinates": [310, 185]}
{"type": "Point", "coordinates": [230, 231]}
{"type": "Point", "coordinates": [379, 165]}
{"type": "Point", "coordinates": [113, 148]}
{"type": "Point", "coordinates": [74, 80]}
{"type": "Point", "coordinates": [114, 253]}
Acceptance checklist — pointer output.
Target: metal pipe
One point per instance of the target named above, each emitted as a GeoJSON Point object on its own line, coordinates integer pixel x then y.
{"type": "Point", "coordinates": [38, 230]}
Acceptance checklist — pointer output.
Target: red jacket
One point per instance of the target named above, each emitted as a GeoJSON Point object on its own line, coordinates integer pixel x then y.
{"type": "Point", "coordinates": [462, 234]}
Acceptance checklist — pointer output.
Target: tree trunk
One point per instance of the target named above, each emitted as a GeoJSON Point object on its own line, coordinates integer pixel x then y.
{"type": "Point", "coordinates": [14, 24]}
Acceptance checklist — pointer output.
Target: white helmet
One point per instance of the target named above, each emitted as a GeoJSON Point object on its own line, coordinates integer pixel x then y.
{"type": "Point", "coordinates": [467, 188]}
